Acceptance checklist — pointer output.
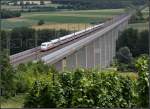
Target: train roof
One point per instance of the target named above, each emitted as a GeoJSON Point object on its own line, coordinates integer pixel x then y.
{"type": "Point", "coordinates": [46, 42]}
{"type": "Point", "coordinates": [55, 40]}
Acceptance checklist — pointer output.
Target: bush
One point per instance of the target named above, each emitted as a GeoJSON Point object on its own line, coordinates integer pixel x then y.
{"type": "Point", "coordinates": [27, 74]}
{"type": "Point", "coordinates": [41, 22]}
{"type": "Point", "coordinates": [124, 55]}
{"type": "Point", "coordinates": [83, 89]}
{"type": "Point", "coordinates": [43, 94]}
{"type": "Point", "coordinates": [142, 65]}
{"type": "Point", "coordinates": [124, 60]}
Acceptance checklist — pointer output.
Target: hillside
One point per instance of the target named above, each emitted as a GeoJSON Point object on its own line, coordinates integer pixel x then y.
{"type": "Point", "coordinates": [95, 4]}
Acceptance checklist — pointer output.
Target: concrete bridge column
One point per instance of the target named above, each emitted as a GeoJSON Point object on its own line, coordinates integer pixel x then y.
{"type": "Point", "coordinates": [58, 65]}
{"type": "Point", "coordinates": [71, 61]}
{"type": "Point", "coordinates": [111, 47]}
{"type": "Point", "coordinates": [113, 43]}
{"type": "Point", "coordinates": [102, 42]}
{"type": "Point", "coordinates": [97, 53]}
{"type": "Point", "coordinates": [90, 55]}
{"type": "Point", "coordinates": [101, 51]}
{"type": "Point", "coordinates": [81, 58]}
{"type": "Point", "coordinates": [115, 33]}
{"type": "Point", "coordinates": [106, 49]}
{"type": "Point", "coordinates": [126, 24]}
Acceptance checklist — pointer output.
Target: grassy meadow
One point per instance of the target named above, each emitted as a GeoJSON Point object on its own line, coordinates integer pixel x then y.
{"type": "Point", "coordinates": [13, 102]}
{"type": "Point", "coordinates": [139, 26]}
{"type": "Point", "coordinates": [61, 17]}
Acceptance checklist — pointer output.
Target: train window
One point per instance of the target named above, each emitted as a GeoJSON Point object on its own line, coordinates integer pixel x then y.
{"type": "Point", "coordinates": [48, 45]}
{"type": "Point", "coordinates": [43, 44]}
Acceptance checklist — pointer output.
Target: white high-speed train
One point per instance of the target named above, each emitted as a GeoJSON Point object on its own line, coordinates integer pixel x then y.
{"type": "Point", "coordinates": [53, 43]}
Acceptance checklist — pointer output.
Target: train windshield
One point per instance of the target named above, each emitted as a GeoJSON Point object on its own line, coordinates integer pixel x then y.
{"type": "Point", "coordinates": [43, 45]}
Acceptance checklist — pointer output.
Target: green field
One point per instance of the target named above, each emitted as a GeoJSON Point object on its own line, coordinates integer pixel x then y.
{"type": "Point", "coordinates": [82, 16]}
{"type": "Point", "coordinates": [139, 26]}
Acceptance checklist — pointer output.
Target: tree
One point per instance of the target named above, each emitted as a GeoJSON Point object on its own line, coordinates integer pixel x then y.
{"type": "Point", "coordinates": [142, 43]}
{"type": "Point", "coordinates": [124, 59]}
{"type": "Point", "coordinates": [124, 55]}
{"type": "Point", "coordinates": [7, 76]}
{"type": "Point", "coordinates": [128, 38]}
{"type": "Point", "coordinates": [136, 41]}
{"type": "Point", "coordinates": [9, 14]}
{"type": "Point", "coordinates": [142, 64]}
{"type": "Point", "coordinates": [22, 38]}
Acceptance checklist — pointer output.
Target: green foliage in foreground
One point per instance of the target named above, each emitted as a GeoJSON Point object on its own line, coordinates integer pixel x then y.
{"type": "Point", "coordinates": [27, 74]}
{"type": "Point", "coordinates": [142, 65]}
{"type": "Point", "coordinates": [83, 88]}
{"type": "Point", "coordinates": [7, 83]}
{"type": "Point", "coordinates": [80, 88]}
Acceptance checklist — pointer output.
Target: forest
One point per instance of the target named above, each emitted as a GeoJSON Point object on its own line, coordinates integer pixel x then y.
{"type": "Point", "coordinates": [24, 38]}
{"type": "Point", "coordinates": [9, 14]}
{"type": "Point", "coordinates": [97, 4]}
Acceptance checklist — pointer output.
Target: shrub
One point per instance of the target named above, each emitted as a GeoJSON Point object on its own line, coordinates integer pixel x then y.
{"type": "Point", "coordinates": [27, 74]}
{"type": "Point", "coordinates": [41, 22]}
{"type": "Point", "coordinates": [83, 89]}
{"type": "Point", "coordinates": [43, 94]}
{"type": "Point", "coordinates": [142, 64]}
{"type": "Point", "coordinates": [124, 60]}
{"type": "Point", "coordinates": [124, 55]}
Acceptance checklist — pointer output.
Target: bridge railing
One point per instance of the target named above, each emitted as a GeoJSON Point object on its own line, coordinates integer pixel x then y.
{"type": "Point", "coordinates": [115, 19]}
{"type": "Point", "coordinates": [24, 53]}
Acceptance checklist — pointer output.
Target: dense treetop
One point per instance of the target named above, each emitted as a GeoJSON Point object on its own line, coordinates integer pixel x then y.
{"type": "Point", "coordinates": [94, 4]}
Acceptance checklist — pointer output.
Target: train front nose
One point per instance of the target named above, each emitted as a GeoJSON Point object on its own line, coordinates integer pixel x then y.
{"type": "Point", "coordinates": [43, 47]}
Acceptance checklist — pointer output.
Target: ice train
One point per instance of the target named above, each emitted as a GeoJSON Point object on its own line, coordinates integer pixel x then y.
{"type": "Point", "coordinates": [62, 40]}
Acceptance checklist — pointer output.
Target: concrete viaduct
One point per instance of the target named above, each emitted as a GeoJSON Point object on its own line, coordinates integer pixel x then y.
{"type": "Point", "coordinates": [94, 51]}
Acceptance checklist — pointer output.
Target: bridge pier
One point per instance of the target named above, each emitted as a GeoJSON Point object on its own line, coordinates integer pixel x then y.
{"type": "Point", "coordinates": [97, 54]}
